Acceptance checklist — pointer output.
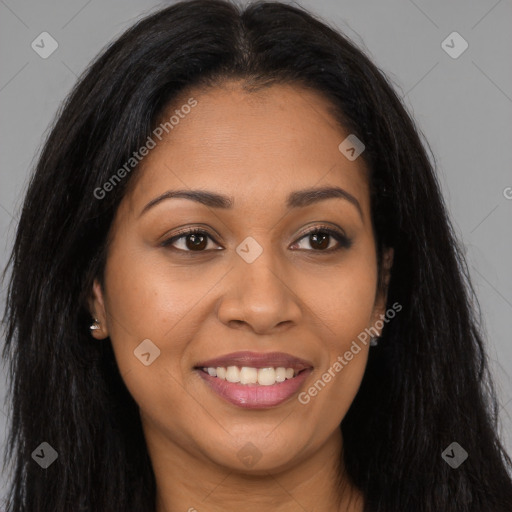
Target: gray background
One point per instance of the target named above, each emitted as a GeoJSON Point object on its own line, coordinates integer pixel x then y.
{"type": "Point", "coordinates": [463, 107]}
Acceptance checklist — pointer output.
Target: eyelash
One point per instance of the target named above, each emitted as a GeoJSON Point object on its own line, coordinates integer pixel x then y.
{"type": "Point", "coordinates": [343, 241]}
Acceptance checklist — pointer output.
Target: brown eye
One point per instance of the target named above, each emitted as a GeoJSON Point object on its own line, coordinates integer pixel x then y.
{"type": "Point", "coordinates": [320, 240]}
{"type": "Point", "coordinates": [192, 240]}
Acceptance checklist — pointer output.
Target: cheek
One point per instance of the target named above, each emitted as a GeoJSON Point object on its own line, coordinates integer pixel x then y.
{"type": "Point", "coordinates": [343, 299]}
{"type": "Point", "coordinates": [146, 298]}
{"type": "Point", "coordinates": [142, 293]}
{"type": "Point", "coordinates": [342, 305]}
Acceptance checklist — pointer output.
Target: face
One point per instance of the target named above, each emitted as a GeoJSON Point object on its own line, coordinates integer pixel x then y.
{"type": "Point", "coordinates": [275, 279]}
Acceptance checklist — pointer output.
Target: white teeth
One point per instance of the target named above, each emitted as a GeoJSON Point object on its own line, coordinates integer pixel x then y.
{"type": "Point", "coordinates": [266, 376]}
{"type": "Point", "coordinates": [281, 374]}
{"type": "Point", "coordinates": [233, 374]}
{"type": "Point", "coordinates": [247, 375]}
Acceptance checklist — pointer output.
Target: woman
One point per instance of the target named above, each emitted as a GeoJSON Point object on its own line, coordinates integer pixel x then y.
{"type": "Point", "coordinates": [235, 285]}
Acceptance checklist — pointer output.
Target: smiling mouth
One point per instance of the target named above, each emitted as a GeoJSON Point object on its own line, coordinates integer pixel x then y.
{"type": "Point", "coordinates": [248, 376]}
{"type": "Point", "coordinates": [254, 380]}
{"type": "Point", "coordinates": [254, 395]}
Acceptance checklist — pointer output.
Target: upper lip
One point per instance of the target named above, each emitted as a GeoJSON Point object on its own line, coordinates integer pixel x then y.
{"type": "Point", "coordinates": [257, 360]}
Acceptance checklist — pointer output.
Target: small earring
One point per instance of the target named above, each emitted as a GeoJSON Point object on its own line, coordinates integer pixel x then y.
{"type": "Point", "coordinates": [374, 341]}
{"type": "Point", "coordinates": [95, 326]}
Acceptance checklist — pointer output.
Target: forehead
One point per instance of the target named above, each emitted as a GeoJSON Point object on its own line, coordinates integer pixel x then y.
{"type": "Point", "coordinates": [253, 146]}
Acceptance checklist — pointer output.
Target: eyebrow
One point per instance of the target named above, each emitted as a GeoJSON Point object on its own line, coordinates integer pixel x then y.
{"type": "Point", "coordinates": [297, 199]}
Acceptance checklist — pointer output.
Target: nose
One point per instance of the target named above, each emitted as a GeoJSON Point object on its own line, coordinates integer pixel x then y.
{"type": "Point", "coordinates": [259, 297]}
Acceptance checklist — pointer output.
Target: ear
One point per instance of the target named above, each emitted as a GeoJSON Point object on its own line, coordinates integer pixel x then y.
{"type": "Point", "coordinates": [97, 308]}
{"type": "Point", "coordinates": [382, 292]}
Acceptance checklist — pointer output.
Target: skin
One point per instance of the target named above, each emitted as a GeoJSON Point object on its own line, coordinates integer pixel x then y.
{"type": "Point", "coordinates": [294, 298]}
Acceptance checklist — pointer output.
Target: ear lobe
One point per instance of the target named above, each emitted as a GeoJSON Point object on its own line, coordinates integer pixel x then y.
{"type": "Point", "coordinates": [97, 309]}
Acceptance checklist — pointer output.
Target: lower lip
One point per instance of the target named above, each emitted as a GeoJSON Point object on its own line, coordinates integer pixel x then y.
{"type": "Point", "coordinates": [254, 396]}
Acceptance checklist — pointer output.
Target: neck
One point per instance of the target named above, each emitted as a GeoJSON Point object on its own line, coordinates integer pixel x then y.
{"type": "Point", "coordinates": [187, 483]}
